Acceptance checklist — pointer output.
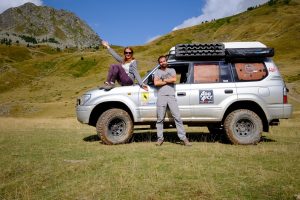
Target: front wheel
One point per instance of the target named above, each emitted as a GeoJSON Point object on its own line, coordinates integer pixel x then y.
{"type": "Point", "coordinates": [114, 126]}
{"type": "Point", "coordinates": [243, 127]}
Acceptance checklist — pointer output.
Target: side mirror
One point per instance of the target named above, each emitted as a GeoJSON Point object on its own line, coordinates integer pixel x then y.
{"type": "Point", "coordinates": [150, 80]}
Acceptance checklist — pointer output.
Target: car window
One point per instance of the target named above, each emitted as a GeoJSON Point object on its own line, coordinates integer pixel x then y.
{"type": "Point", "coordinates": [181, 72]}
{"type": "Point", "coordinates": [250, 71]}
{"type": "Point", "coordinates": [211, 73]}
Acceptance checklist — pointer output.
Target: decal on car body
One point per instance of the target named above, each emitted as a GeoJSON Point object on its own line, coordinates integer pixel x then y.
{"type": "Point", "coordinates": [206, 96]}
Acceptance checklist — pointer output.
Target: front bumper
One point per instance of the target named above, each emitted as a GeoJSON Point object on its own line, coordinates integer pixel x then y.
{"type": "Point", "coordinates": [83, 113]}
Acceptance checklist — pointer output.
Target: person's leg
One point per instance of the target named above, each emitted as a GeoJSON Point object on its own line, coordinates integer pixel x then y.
{"type": "Point", "coordinates": [172, 103]}
{"type": "Point", "coordinates": [113, 70]}
{"type": "Point", "coordinates": [123, 77]}
{"type": "Point", "coordinates": [110, 82]}
{"type": "Point", "coordinates": [161, 106]}
{"type": "Point", "coordinates": [118, 73]}
{"type": "Point", "coordinates": [125, 80]}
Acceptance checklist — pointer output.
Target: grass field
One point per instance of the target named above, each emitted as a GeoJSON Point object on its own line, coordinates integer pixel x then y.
{"type": "Point", "coordinates": [59, 158]}
{"type": "Point", "coordinates": [46, 154]}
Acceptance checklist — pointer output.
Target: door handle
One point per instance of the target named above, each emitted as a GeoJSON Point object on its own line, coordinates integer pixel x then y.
{"type": "Point", "coordinates": [181, 94]}
{"type": "Point", "coordinates": [229, 91]}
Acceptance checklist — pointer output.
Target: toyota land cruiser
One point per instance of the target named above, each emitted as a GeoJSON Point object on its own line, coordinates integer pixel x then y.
{"type": "Point", "coordinates": [233, 88]}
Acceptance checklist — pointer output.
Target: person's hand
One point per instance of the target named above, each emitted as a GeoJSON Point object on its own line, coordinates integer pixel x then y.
{"type": "Point", "coordinates": [170, 80]}
{"type": "Point", "coordinates": [167, 80]}
{"type": "Point", "coordinates": [145, 87]}
{"type": "Point", "coordinates": [105, 44]}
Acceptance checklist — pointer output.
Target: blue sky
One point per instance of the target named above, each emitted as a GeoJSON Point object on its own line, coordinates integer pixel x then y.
{"type": "Point", "coordinates": [136, 22]}
{"type": "Point", "coordinates": [131, 22]}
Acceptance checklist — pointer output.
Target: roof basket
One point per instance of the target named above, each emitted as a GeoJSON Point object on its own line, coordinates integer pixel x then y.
{"type": "Point", "coordinates": [208, 51]}
{"type": "Point", "coordinates": [200, 50]}
{"type": "Point", "coordinates": [249, 52]}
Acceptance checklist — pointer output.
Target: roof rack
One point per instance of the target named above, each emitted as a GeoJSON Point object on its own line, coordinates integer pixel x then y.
{"type": "Point", "coordinates": [199, 50]}
{"type": "Point", "coordinates": [249, 52]}
{"type": "Point", "coordinates": [204, 51]}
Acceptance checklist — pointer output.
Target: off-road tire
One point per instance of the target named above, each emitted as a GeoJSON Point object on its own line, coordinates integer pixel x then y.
{"type": "Point", "coordinates": [243, 127]}
{"type": "Point", "coordinates": [114, 126]}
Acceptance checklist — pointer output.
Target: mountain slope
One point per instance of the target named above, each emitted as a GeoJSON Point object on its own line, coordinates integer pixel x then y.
{"type": "Point", "coordinates": [277, 26]}
{"type": "Point", "coordinates": [40, 24]}
{"type": "Point", "coordinates": [40, 81]}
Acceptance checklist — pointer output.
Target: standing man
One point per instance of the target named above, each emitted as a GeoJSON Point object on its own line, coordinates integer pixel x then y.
{"type": "Point", "coordinates": [165, 79]}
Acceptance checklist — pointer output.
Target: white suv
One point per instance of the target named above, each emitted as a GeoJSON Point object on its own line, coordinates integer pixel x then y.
{"type": "Point", "coordinates": [232, 88]}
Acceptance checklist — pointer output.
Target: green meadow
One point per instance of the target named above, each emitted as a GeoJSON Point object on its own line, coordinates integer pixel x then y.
{"type": "Point", "coordinates": [62, 159]}
{"type": "Point", "coordinates": [46, 154]}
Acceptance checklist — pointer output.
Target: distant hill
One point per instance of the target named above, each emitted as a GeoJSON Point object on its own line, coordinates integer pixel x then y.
{"type": "Point", "coordinates": [41, 81]}
{"type": "Point", "coordinates": [276, 24]}
{"type": "Point", "coordinates": [31, 24]}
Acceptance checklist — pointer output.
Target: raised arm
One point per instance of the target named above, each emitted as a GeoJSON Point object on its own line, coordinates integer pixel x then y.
{"type": "Point", "coordinates": [112, 52]}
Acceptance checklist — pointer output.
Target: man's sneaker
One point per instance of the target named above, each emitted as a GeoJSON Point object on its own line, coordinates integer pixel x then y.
{"type": "Point", "coordinates": [159, 142]}
{"type": "Point", "coordinates": [186, 142]}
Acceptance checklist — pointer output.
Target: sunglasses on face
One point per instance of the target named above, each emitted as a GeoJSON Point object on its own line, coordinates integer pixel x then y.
{"type": "Point", "coordinates": [127, 52]}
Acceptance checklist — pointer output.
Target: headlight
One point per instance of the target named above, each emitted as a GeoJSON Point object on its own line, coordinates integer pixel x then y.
{"type": "Point", "coordinates": [83, 99]}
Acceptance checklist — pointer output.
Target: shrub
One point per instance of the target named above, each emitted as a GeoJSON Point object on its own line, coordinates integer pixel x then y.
{"type": "Point", "coordinates": [28, 39]}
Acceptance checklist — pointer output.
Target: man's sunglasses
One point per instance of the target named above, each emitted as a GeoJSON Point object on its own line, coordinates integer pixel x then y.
{"type": "Point", "coordinates": [127, 52]}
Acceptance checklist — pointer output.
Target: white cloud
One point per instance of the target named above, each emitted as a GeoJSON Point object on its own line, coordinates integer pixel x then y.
{"type": "Point", "coordinates": [153, 38]}
{"type": "Point", "coordinates": [6, 4]}
{"type": "Point", "coordinates": [215, 9]}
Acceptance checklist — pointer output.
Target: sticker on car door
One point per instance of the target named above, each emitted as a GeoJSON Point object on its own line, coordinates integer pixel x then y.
{"type": "Point", "coordinates": [206, 96]}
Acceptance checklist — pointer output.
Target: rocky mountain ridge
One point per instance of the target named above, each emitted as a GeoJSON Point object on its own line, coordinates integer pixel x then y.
{"type": "Point", "coordinates": [31, 24]}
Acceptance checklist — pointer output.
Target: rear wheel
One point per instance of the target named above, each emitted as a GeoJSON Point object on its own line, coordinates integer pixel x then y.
{"type": "Point", "coordinates": [243, 127]}
{"type": "Point", "coordinates": [114, 126]}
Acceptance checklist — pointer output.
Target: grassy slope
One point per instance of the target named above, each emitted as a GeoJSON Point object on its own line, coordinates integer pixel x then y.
{"type": "Point", "coordinates": [41, 81]}
{"type": "Point", "coordinates": [277, 26]}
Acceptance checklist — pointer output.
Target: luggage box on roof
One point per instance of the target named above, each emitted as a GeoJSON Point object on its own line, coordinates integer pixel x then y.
{"type": "Point", "coordinates": [249, 52]}
{"type": "Point", "coordinates": [205, 51]}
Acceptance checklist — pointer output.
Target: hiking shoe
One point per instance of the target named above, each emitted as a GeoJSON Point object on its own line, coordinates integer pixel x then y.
{"type": "Point", "coordinates": [159, 142]}
{"type": "Point", "coordinates": [103, 86]}
{"type": "Point", "coordinates": [186, 142]}
{"type": "Point", "coordinates": [108, 87]}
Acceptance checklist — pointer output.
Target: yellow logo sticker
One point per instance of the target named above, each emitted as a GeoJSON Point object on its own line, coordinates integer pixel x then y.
{"type": "Point", "coordinates": [145, 96]}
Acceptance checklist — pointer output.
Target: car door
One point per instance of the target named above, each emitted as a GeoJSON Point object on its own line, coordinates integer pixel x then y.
{"type": "Point", "coordinates": [147, 99]}
{"type": "Point", "coordinates": [212, 90]}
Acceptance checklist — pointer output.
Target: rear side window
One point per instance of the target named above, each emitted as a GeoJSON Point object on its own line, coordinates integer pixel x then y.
{"type": "Point", "coordinates": [249, 71]}
{"type": "Point", "coordinates": [211, 73]}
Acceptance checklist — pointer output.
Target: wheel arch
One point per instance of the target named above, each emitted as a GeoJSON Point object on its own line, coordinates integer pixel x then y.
{"type": "Point", "coordinates": [102, 107]}
{"type": "Point", "coordinates": [250, 105]}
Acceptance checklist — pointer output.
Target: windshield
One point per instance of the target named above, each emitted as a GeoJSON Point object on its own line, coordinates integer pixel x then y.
{"type": "Point", "coordinates": [149, 73]}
